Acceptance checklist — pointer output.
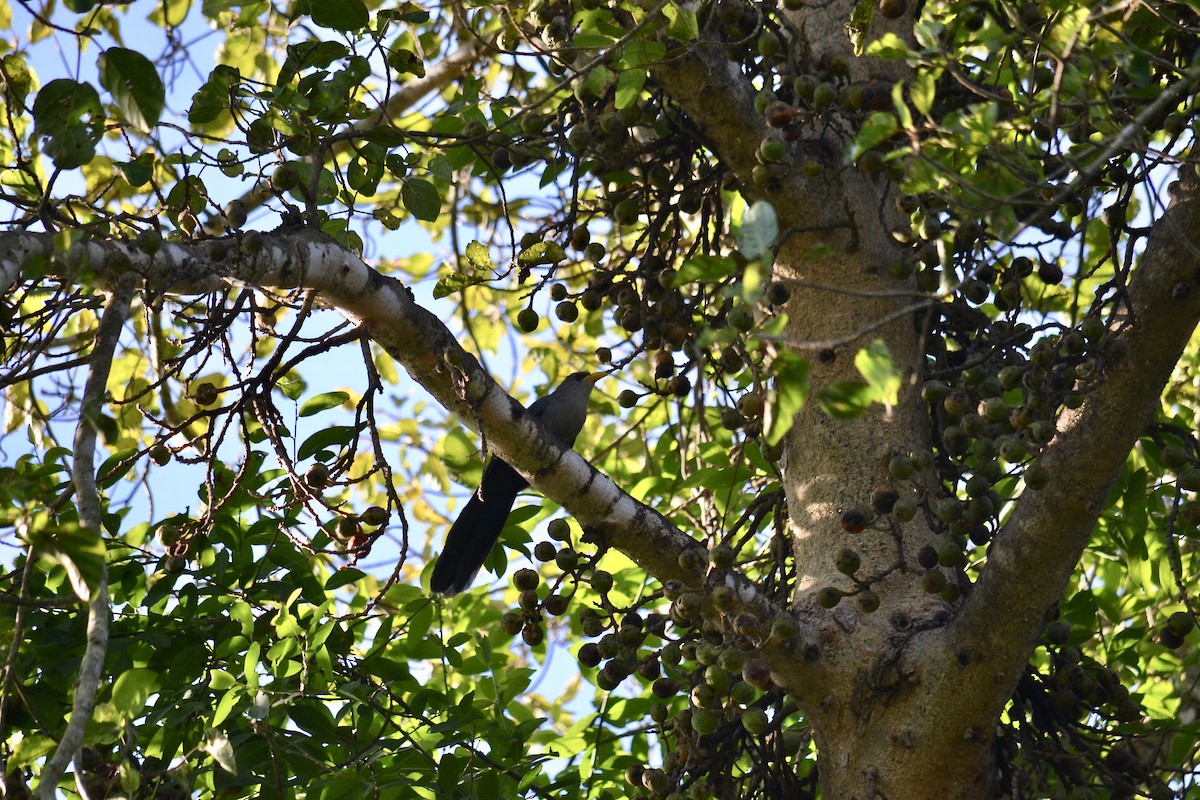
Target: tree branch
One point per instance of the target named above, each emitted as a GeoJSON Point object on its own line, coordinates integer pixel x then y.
{"type": "Point", "coordinates": [83, 476]}
{"type": "Point", "coordinates": [1037, 550]}
{"type": "Point", "coordinates": [715, 94]}
{"type": "Point", "coordinates": [432, 355]}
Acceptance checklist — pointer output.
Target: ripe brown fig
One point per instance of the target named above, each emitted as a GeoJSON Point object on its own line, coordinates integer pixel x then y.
{"type": "Point", "coordinates": [528, 320]}
{"type": "Point", "coordinates": [1050, 273]}
{"type": "Point", "coordinates": [501, 159]}
{"type": "Point", "coordinates": [511, 622]}
{"type": "Point", "coordinates": [205, 394]}
{"type": "Point", "coordinates": [779, 114]}
{"type": "Point", "coordinates": [566, 311]}
{"type": "Point", "coordinates": [757, 673]}
{"type": "Point", "coordinates": [346, 529]}
{"type": "Point", "coordinates": [589, 655]}
{"type": "Point", "coordinates": [1181, 623]}
{"type": "Point", "coordinates": [883, 499]}
{"type": "Point", "coordinates": [778, 293]}
{"type": "Point", "coordinates": [526, 579]}
{"type": "Point", "coordinates": [317, 476]}
{"type": "Point", "coordinates": [854, 520]}
{"type": "Point", "coordinates": [1058, 632]}
{"type": "Point", "coordinates": [533, 634]}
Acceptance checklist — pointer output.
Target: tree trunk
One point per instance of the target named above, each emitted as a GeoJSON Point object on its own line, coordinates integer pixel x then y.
{"type": "Point", "coordinates": [878, 731]}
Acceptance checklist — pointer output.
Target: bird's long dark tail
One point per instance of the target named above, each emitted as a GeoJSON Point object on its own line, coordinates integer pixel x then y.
{"type": "Point", "coordinates": [477, 529]}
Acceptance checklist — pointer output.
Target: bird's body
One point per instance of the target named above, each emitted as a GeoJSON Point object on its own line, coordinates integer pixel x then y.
{"type": "Point", "coordinates": [478, 527]}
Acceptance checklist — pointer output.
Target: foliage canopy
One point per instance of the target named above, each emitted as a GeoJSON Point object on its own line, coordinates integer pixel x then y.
{"type": "Point", "coordinates": [898, 325]}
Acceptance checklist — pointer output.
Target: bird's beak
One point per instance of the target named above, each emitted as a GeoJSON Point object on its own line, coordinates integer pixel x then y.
{"type": "Point", "coordinates": [595, 376]}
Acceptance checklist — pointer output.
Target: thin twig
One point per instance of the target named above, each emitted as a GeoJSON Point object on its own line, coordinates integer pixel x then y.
{"type": "Point", "coordinates": [825, 344]}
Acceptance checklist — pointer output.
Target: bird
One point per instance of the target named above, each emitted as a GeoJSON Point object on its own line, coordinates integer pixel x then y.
{"type": "Point", "coordinates": [478, 526]}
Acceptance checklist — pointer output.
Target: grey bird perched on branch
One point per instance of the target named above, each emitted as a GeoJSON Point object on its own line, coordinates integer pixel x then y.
{"type": "Point", "coordinates": [478, 527]}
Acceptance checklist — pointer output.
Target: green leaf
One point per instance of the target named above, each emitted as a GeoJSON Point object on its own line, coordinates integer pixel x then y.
{"type": "Point", "coordinates": [455, 282]}
{"type": "Point", "coordinates": [132, 689]}
{"type": "Point", "coordinates": [541, 253]}
{"type": "Point", "coordinates": [409, 11]}
{"type": "Point", "coordinates": [72, 147]}
{"type": "Point", "coordinates": [597, 81]}
{"type": "Point", "coordinates": [62, 103]}
{"type": "Point", "coordinates": [591, 40]}
{"type": "Point", "coordinates": [139, 171]}
{"type": "Point", "coordinates": [642, 52]}
{"type": "Point", "coordinates": [406, 62]}
{"type": "Point", "coordinates": [877, 128]}
{"type": "Point", "coordinates": [845, 400]}
{"type": "Point", "coordinates": [340, 15]}
{"type": "Point", "coordinates": [752, 281]}
{"type": "Point", "coordinates": [883, 376]}
{"type": "Point", "coordinates": [211, 8]}
{"type": "Point", "coordinates": [116, 467]}
{"type": "Point", "coordinates": [81, 553]}
{"type": "Point", "coordinates": [759, 228]}
{"type": "Point", "coordinates": [221, 750]}
{"type": "Point", "coordinates": [366, 171]}
{"type": "Point", "coordinates": [313, 55]}
{"type": "Point", "coordinates": [344, 577]}
{"type": "Point", "coordinates": [705, 268]}
{"type": "Point", "coordinates": [386, 136]}
{"type": "Point", "coordinates": [522, 514]}
{"type": "Point", "coordinates": [333, 436]}
{"type": "Point", "coordinates": [890, 46]}
{"type": "Point", "coordinates": [17, 80]}
{"type": "Point", "coordinates": [170, 13]}
{"type": "Point", "coordinates": [922, 91]}
{"type": "Point", "coordinates": [291, 385]}
{"type": "Point", "coordinates": [858, 23]}
{"type": "Point", "coordinates": [629, 87]}
{"type": "Point", "coordinates": [684, 24]}
{"type": "Point", "coordinates": [478, 257]}
{"type": "Point", "coordinates": [516, 680]}
{"type": "Point", "coordinates": [213, 98]}
{"type": "Point", "coordinates": [789, 392]}
{"type": "Point", "coordinates": [440, 167]}
{"type": "Point", "coordinates": [135, 86]}
{"type": "Point", "coordinates": [903, 112]}
{"type": "Point", "coordinates": [418, 624]}
{"type": "Point", "coordinates": [221, 681]}
{"type": "Point", "coordinates": [323, 402]}
{"type": "Point", "coordinates": [421, 198]}
{"type": "Point", "coordinates": [31, 749]}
